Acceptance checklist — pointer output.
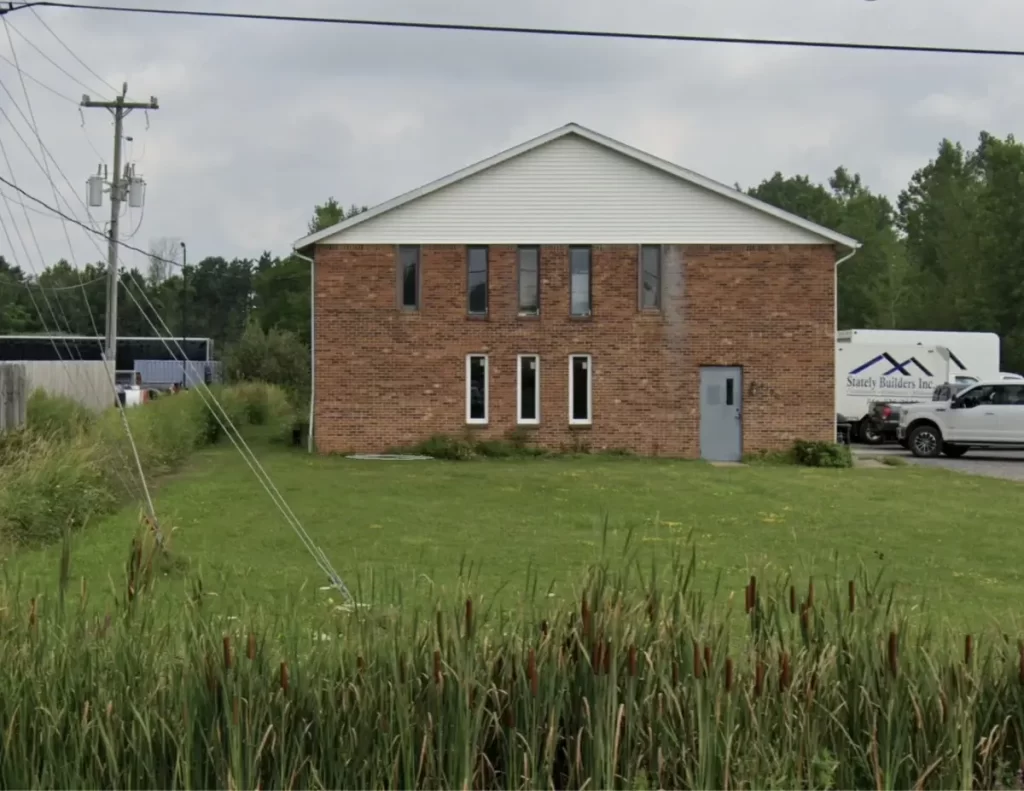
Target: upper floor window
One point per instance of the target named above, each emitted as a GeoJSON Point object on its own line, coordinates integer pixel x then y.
{"type": "Point", "coordinates": [529, 280]}
{"type": "Point", "coordinates": [477, 281]}
{"type": "Point", "coordinates": [579, 281]}
{"type": "Point", "coordinates": [650, 277]}
{"type": "Point", "coordinates": [409, 277]}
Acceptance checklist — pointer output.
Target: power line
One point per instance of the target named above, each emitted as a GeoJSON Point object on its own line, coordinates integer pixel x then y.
{"type": "Point", "coordinates": [27, 285]}
{"type": "Point", "coordinates": [532, 31]}
{"type": "Point", "coordinates": [71, 52]}
{"type": "Point", "coordinates": [54, 63]}
{"type": "Point", "coordinates": [40, 83]}
{"type": "Point", "coordinates": [81, 224]}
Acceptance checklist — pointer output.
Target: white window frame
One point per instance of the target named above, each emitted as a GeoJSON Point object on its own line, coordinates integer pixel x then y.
{"type": "Point", "coordinates": [519, 391]}
{"type": "Point", "coordinates": [470, 420]}
{"type": "Point", "coordinates": [590, 390]}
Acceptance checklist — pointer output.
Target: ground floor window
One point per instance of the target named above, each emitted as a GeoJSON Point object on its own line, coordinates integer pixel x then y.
{"type": "Point", "coordinates": [476, 388]}
{"type": "Point", "coordinates": [528, 395]}
{"type": "Point", "coordinates": [580, 389]}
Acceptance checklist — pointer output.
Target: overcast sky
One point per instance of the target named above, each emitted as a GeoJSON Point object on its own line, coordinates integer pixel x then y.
{"type": "Point", "coordinates": [259, 121]}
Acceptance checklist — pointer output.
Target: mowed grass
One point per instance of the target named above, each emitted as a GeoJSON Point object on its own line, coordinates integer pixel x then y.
{"type": "Point", "coordinates": [950, 541]}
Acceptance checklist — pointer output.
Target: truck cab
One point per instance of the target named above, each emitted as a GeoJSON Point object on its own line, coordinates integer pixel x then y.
{"type": "Point", "coordinates": [987, 414]}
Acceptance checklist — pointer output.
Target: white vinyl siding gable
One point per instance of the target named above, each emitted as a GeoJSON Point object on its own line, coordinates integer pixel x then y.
{"type": "Point", "coordinates": [569, 190]}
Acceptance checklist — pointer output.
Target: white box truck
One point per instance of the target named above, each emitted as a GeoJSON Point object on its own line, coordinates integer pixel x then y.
{"type": "Point", "coordinates": [974, 355]}
{"type": "Point", "coordinates": [885, 374]}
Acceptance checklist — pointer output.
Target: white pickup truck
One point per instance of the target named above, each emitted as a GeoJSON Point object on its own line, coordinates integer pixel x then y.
{"type": "Point", "coordinates": [987, 414]}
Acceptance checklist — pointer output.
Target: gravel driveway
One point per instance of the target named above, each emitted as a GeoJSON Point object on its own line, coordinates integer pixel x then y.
{"type": "Point", "coordinates": [990, 463]}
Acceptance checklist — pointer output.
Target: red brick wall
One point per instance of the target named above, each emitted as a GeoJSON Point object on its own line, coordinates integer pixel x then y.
{"type": "Point", "coordinates": [386, 378]}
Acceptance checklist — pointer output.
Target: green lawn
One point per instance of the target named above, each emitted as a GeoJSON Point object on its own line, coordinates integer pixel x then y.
{"type": "Point", "coordinates": [948, 538]}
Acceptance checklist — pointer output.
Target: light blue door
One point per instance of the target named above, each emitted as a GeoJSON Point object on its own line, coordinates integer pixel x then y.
{"type": "Point", "coordinates": [721, 413]}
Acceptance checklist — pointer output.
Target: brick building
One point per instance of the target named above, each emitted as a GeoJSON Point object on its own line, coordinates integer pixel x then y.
{"type": "Point", "coordinates": [584, 292]}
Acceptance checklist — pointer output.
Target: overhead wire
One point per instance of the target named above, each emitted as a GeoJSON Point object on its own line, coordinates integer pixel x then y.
{"type": "Point", "coordinates": [208, 397]}
{"type": "Point", "coordinates": [31, 121]}
{"type": "Point", "coordinates": [522, 30]}
{"type": "Point", "coordinates": [71, 52]}
{"type": "Point", "coordinates": [52, 62]}
{"type": "Point", "coordinates": [41, 84]}
{"type": "Point", "coordinates": [81, 224]}
{"type": "Point", "coordinates": [30, 284]}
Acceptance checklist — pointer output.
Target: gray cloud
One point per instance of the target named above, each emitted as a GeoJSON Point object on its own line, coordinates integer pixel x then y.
{"type": "Point", "coordinates": [259, 121]}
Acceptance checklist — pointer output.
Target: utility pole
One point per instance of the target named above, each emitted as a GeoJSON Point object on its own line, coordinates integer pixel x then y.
{"type": "Point", "coordinates": [121, 186]}
{"type": "Point", "coordinates": [184, 299]}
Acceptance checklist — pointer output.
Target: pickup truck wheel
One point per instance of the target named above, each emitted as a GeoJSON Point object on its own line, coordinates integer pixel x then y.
{"type": "Point", "coordinates": [869, 433]}
{"type": "Point", "coordinates": [953, 451]}
{"type": "Point", "coordinates": [926, 442]}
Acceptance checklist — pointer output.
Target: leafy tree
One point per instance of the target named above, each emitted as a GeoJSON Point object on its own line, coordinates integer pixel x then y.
{"type": "Point", "coordinates": [275, 357]}
{"type": "Point", "coordinates": [331, 213]}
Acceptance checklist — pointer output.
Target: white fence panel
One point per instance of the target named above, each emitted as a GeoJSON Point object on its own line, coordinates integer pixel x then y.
{"type": "Point", "coordinates": [89, 382]}
{"type": "Point", "coordinates": [13, 397]}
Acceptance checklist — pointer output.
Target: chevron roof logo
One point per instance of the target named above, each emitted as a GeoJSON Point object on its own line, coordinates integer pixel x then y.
{"type": "Point", "coordinates": [893, 366]}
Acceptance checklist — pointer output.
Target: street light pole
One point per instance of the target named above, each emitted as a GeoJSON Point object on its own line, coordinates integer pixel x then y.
{"type": "Point", "coordinates": [184, 298]}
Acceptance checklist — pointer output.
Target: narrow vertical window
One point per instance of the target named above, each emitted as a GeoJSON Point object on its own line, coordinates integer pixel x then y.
{"type": "Point", "coordinates": [409, 276]}
{"type": "Point", "coordinates": [477, 281]}
{"type": "Point", "coordinates": [529, 281]}
{"type": "Point", "coordinates": [579, 280]}
{"type": "Point", "coordinates": [580, 389]}
{"type": "Point", "coordinates": [729, 395]}
{"type": "Point", "coordinates": [650, 277]}
{"type": "Point", "coordinates": [476, 388]}
{"type": "Point", "coordinates": [528, 396]}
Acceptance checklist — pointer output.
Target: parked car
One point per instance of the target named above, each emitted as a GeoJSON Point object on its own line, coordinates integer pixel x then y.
{"type": "Point", "coordinates": [981, 415]}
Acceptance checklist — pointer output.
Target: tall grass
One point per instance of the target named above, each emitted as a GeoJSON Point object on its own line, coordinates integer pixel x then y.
{"type": "Point", "coordinates": [69, 465]}
{"type": "Point", "coordinates": [645, 684]}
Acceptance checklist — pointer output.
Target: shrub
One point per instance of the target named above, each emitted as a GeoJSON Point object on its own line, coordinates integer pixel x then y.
{"type": "Point", "coordinates": [70, 468]}
{"type": "Point", "coordinates": [276, 357]}
{"type": "Point", "coordinates": [822, 454]}
{"type": "Point", "coordinates": [441, 446]}
{"type": "Point", "coordinates": [54, 414]}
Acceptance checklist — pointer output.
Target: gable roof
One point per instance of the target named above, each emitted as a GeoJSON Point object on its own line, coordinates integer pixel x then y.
{"type": "Point", "coordinates": [683, 174]}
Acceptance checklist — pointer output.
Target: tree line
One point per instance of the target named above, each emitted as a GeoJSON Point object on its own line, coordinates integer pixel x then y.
{"type": "Point", "coordinates": [948, 255]}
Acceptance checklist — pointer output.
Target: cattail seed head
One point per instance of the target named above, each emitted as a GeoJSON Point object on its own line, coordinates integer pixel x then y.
{"type": "Point", "coordinates": [697, 669]}
{"type": "Point", "coordinates": [753, 591]}
{"type": "Point", "coordinates": [968, 649]}
{"type": "Point", "coordinates": [784, 673]}
{"type": "Point", "coordinates": [360, 664]}
{"type": "Point", "coordinates": [728, 674]}
{"type": "Point", "coordinates": [597, 658]}
{"type": "Point", "coordinates": [284, 677]}
{"type": "Point", "coordinates": [746, 600]}
{"type": "Point", "coordinates": [853, 596]}
{"type": "Point", "coordinates": [250, 648]}
{"type": "Point", "coordinates": [607, 657]}
{"type": "Point", "coordinates": [227, 652]}
{"type": "Point", "coordinates": [32, 613]}
{"type": "Point", "coordinates": [632, 661]}
{"type": "Point", "coordinates": [437, 667]}
{"type": "Point", "coordinates": [792, 599]}
{"type": "Point", "coordinates": [707, 658]}
{"type": "Point", "coordinates": [893, 653]}
{"type": "Point", "coordinates": [531, 672]}
{"type": "Point", "coordinates": [544, 628]}
{"type": "Point", "coordinates": [759, 679]}
{"type": "Point", "coordinates": [234, 711]}
{"type": "Point", "coordinates": [805, 619]}
{"type": "Point", "coordinates": [585, 616]}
